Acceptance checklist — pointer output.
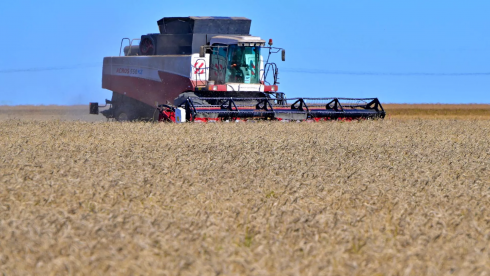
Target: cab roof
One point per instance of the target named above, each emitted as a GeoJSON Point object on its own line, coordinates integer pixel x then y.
{"type": "Point", "coordinates": [238, 40]}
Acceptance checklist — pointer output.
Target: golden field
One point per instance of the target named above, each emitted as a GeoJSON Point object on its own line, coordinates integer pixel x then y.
{"type": "Point", "coordinates": [404, 196]}
{"type": "Point", "coordinates": [438, 111]}
{"type": "Point", "coordinates": [394, 111]}
{"type": "Point", "coordinates": [49, 112]}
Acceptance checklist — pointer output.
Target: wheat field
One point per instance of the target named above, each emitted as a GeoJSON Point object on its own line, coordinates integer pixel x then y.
{"type": "Point", "coordinates": [438, 111]}
{"type": "Point", "coordinates": [394, 111]}
{"type": "Point", "coordinates": [388, 197]}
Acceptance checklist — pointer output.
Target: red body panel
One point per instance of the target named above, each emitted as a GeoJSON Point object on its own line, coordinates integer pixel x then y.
{"type": "Point", "coordinates": [148, 79]}
{"type": "Point", "coordinates": [149, 91]}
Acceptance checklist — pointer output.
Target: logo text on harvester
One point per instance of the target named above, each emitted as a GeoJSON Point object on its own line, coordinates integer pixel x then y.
{"type": "Point", "coordinates": [129, 71]}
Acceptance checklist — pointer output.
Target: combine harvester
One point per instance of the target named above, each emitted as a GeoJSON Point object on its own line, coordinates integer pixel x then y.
{"type": "Point", "coordinates": [210, 69]}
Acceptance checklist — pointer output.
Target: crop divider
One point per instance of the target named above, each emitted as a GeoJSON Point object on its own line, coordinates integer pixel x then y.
{"type": "Point", "coordinates": [376, 105]}
{"type": "Point", "coordinates": [264, 104]}
{"type": "Point", "coordinates": [300, 105]}
{"type": "Point", "coordinates": [229, 105]}
{"type": "Point", "coordinates": [336, 105]}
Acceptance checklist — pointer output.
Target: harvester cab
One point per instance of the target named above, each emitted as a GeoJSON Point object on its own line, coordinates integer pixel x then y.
{"type": "Point", "coordinates": [210, 69]}
{"type": "Point", "coordinates": [233, 62]}
{"type": "Point", "coordinates": [236, 64]}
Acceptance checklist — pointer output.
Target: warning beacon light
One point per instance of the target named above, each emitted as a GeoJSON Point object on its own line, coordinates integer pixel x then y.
{"type": "Point", "coordinates": [270, 41]}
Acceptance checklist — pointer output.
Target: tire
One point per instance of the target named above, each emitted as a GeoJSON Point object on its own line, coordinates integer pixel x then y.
{"type": "Point", "coordinates": [124, 115]}
{"type": "Point", "coordinates": [182, 98]}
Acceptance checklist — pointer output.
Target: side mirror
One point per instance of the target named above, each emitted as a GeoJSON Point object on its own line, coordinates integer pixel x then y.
{"type": "Point", "coordinates": [202, 52]}
{"type": "Point", "coordinates": [283, 55]}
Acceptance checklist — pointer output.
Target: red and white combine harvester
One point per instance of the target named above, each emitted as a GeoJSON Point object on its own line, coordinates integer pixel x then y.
{"type": "Point", "coordinates": [210, 69]}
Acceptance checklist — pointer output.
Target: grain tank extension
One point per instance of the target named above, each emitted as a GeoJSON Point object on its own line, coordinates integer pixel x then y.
{"type": "Point", "coordinates": [210, 69]}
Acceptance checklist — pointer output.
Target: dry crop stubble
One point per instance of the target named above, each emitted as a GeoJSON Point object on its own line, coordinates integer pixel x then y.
{"type": "Point", "coordinates": [438, 111]}
{"type": "Point", "coordinates": [392, 197]}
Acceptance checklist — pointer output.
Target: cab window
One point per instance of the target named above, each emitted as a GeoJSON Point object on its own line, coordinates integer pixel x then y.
{"type": "Point", "coordinates": [243, 64]}
{"type": "Point", "coordinates": [218, 63]}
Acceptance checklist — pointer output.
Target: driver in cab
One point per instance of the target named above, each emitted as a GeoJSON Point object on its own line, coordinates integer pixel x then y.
{"type": "Point", "coordinates": [236, 73]}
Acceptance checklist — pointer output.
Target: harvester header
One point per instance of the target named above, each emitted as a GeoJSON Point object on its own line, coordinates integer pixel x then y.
{"type": "Point", "coordinates": [203, 68]}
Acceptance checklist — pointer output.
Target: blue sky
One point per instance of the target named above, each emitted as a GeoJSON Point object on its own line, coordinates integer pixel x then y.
{"type": "Point", "coordinates": [399, 51]}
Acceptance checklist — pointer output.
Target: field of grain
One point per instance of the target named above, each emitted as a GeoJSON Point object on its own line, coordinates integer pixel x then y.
{"type": "Point", "coordinates": [394, 111]}
{"type": "Point", "coordinates": [438, 111]}
{"type": "Point", "coordinates": [49, 112]}
{"type": "Point", "coordinates": [388, 197]}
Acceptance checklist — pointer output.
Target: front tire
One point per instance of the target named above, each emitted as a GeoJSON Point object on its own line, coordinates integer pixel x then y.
{"type": "Point", "coordinates": [124, 115]}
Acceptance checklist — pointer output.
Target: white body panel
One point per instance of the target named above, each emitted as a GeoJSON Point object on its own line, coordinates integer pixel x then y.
{"type": "Point", "coordinates": [199, 67]}
{"type": "Point", "coordinates": [261, 68]}
{"type": "Point", "coordinates": [180, 115]}
{"type": "Point", "coordinates": [147, 67]}
{"type": "Point", "coordinates": [244, 87]}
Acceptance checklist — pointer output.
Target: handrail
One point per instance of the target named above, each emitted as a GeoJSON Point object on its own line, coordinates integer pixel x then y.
{"type": "Point", "coordinates": [131, 44]}
{"type": "Point", "coordinates": [120, 48]}
{"type": "Point", "coordinates": [275, 70]}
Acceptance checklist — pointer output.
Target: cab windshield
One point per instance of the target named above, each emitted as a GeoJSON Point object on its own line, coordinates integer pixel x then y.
{"type": "Point", "coordinates": [243, 64]}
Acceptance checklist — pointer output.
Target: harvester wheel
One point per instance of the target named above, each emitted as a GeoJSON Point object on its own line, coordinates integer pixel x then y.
{"type": "Point", "coordinates": [182, 98]}
{"type": "Point", "coordinates": [123, 116]}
